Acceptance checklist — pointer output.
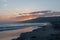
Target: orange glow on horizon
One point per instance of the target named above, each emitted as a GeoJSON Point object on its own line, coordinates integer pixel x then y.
{"type": "Point", "coordinates": [26, 18]}
{"type": "Point", "coordinates": [15, 18]}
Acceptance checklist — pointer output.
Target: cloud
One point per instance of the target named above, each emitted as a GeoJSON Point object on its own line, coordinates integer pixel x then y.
{"type": "Point", "coordinates": [51, 14]}
{"type": "Point", "coordinates": [17, 9]}
{"type": "Point", "coordinates": [37, 13]}
{"type": "Point", "coordinates": [30, 15]}
{"type": "Point", "coordinates": [5, 0]}
{"type": "Point", "coordinates": [5, 5]}
{"type": "Point", "coordinates": [42, 13]}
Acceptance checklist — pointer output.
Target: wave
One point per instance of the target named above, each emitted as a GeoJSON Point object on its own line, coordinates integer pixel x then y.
{"type": "Point", "coordinates": [7, 27]}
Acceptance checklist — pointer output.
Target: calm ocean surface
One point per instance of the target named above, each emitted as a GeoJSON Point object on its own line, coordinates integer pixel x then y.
{"type": "Point", "coordinates": [6, 27]}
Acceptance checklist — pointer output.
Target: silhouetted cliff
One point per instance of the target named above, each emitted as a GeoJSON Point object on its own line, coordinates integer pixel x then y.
{"type": "Point", "coordinates": [43, 19]}
{"type": "Point", "coordinates": [46, 32]}
{"type": "Point", "coordinates": [54, 20]}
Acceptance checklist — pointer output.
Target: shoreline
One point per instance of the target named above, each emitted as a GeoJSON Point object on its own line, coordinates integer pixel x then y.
{"type": "Point", "coordinates": [8, 35]}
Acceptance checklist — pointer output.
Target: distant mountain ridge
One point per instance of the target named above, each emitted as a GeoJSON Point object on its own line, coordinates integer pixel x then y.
{"type": "Point", "coordinates": [43, 19]}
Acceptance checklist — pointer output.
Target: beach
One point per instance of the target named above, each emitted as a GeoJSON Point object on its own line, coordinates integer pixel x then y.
{"type": "Point", "coordinates": [12, 34]}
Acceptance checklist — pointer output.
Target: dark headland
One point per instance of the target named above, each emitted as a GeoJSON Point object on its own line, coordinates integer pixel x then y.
{"type": "Point", "coordinates": [51, 32]}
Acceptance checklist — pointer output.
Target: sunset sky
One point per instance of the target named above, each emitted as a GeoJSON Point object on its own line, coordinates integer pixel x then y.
{"type": "Point", "coordinates": [12, 8]}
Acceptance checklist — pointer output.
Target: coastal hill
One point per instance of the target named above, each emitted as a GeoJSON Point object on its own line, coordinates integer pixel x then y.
{"type": "Point", "coordinates": [50, 32]}
{"type": "Point", "coordinates": [43, 19]}
{"type": "Point", "coordinates": [55, 20]}
{"type": "Point", "coordinates": [44, 33]}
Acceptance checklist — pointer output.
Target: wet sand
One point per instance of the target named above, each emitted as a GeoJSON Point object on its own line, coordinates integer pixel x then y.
{"type": "Point", "coordinates": [8, 35]}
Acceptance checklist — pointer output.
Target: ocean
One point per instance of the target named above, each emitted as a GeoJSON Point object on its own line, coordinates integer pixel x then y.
{"type": "Point", "coordinates": [15, 26]}
{"type": "Point", "coordinates": [13, 30]}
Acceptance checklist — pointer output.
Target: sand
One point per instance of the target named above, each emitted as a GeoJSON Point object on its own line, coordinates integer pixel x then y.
{"type": "Point", "coordinates": [8, 35]}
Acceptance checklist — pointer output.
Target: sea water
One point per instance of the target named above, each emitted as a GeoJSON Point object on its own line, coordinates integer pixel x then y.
{"type": "Point", "coordinates": [15, 26]}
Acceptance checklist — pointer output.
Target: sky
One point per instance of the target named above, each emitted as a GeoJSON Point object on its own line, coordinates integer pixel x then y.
{"type": "Point", "coordinates": [12, 8]}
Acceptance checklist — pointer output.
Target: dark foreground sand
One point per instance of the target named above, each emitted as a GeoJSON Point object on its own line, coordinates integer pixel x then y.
{"type": "Point", "coordinates": [8, 35]}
